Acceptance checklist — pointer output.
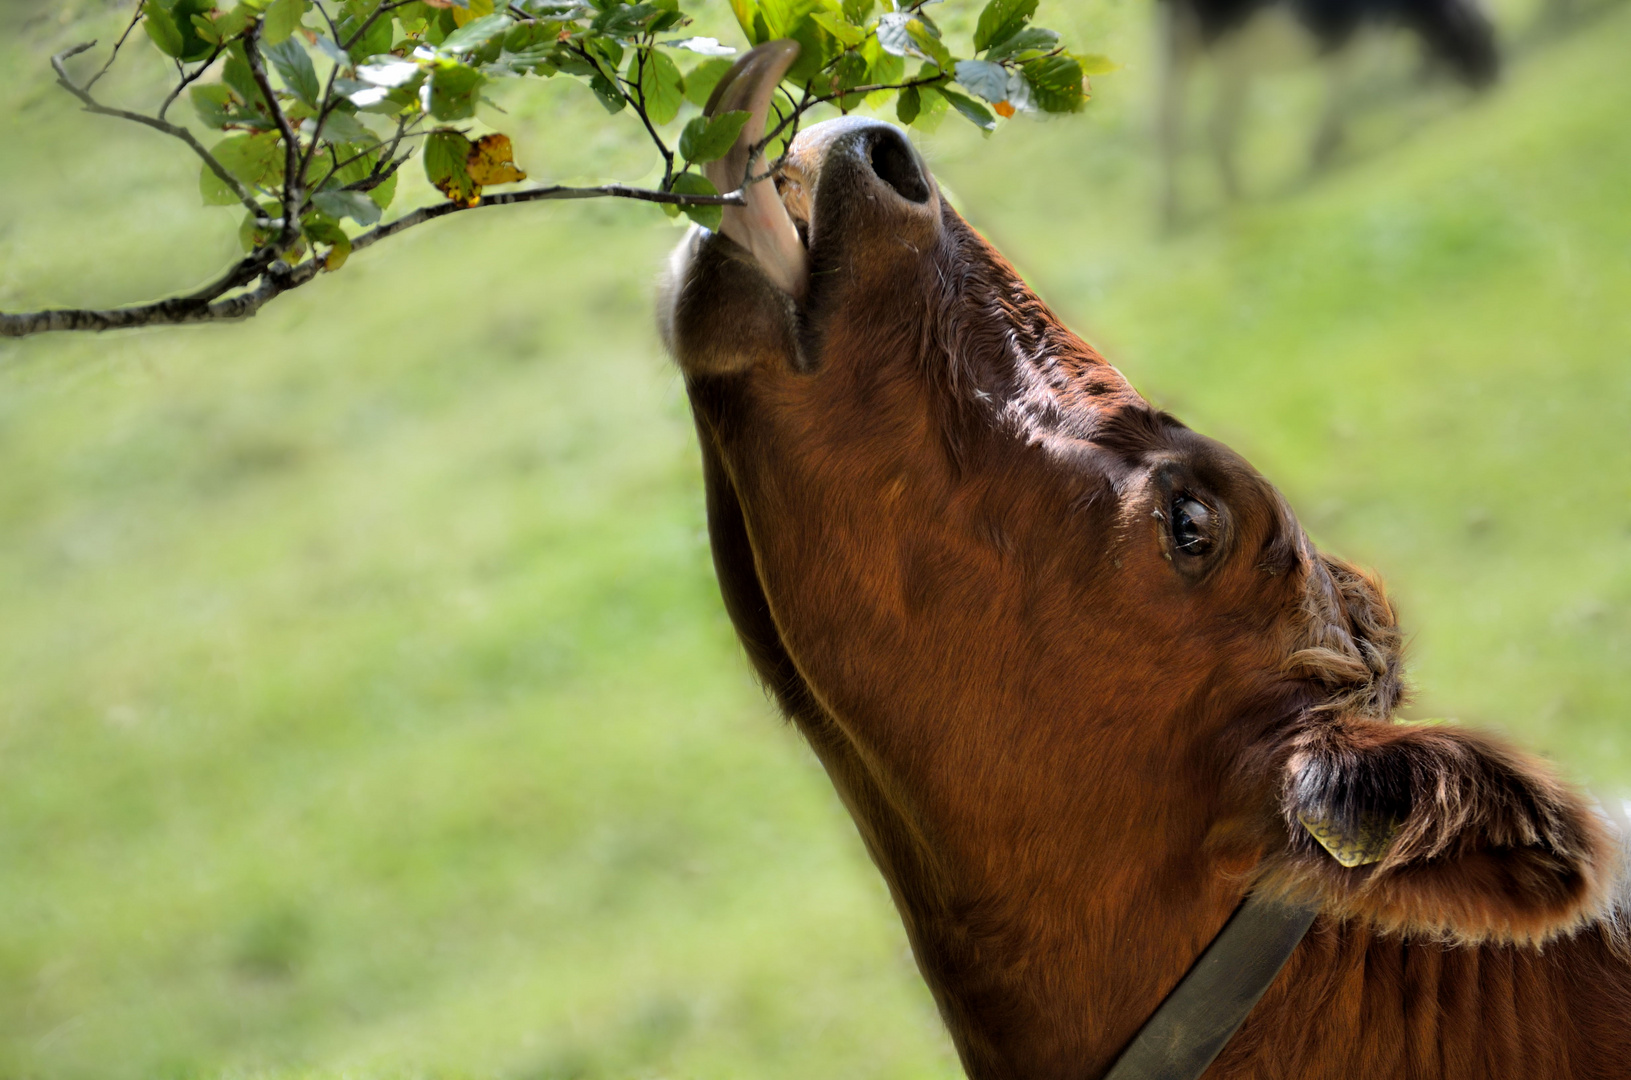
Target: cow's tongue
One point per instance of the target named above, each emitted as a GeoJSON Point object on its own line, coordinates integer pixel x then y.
{"type": "Point", "coordinates": [762, 226]}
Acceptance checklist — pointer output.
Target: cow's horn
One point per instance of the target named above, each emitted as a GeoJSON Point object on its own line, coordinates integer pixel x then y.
{"type": "Point", "coordinates": [762, 226]}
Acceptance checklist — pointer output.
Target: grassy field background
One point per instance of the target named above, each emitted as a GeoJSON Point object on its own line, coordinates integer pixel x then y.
{"type": "Point", "coordinates": [366, 705]}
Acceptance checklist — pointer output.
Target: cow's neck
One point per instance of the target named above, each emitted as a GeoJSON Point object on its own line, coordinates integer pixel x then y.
{"type": "Point", "coordinates": [1046, 941]}
{"type": "Point", "coordinates": [1046, 968]}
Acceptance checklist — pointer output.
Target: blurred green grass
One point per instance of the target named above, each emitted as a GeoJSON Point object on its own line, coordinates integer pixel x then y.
{"type": "Point", "coordinates": [366, 707]}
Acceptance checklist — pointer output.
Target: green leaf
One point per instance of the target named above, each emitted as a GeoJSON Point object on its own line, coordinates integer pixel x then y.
{"type": "Point", "coordinates": [891, 32]}
{"type": "Point", "coordinates": [356, 171]}
{"type": "Point", "coordinates": [473, 35]}
{"type": "Point", "coordinates": [847, 35]}
{"type": "Point", "coordinates": [932, 110]}
{"type": "Point", "coordinates": [281, 20]}
{"type": "Point", "coordinates": [1001, 20]}
{"type": "Point", "coordinates": [184, 13]}
{"type": "Point", "coordinates": [883, 68]}
{"type": "Point", "coordinates": [215, 104]}
{"type": "Point", "coordinates": [908, 105]}
{"type": "Point", "coordinates": [236, 74]}
{"type": "Point", "coordinates": [204, 26]}
{"type": "Point", "coordinates": [849, 72]}
{"type": "Point", "coordinates": [984, 78]}
{"type": "Point", "coordinates": [626, 20]}
{"type": "Point", "coordinates": [709, 139]}
{"type": "Point", "coordinates": [1030, 39]}
{"type": "Point", "coordinates": [445, 156]}
{"type": "Point", "coordinates": [701, 80]}
{"type": "Point", "coordinates": [709, 217]}
{"type": "Point", "coordinates": [816, 47]}
{"type": "Point", "coordinates": [340, 126]}
{"type": "Point", "coordinates": [751, 21]}
{"type": "Point", "coordinates": [454, 90]}
{"type": "Point", "coordinates": [384, 192]}
{"type": "Point", "coordinates": [670, 17]}
{"type": "Point", "coordinates": [294, 65]}
{"type": "Point", "coordinates": [661, 86]}
{"type": "Point", "coordinates": [255, 159]}
{"type": "Point", "coordinates": [320, 228]}
{"type": "Point", "coordinates": [376, 40]}
{"type": "Point", "coordinates": [606, 50]}
{"type": "Point", "coordinates": [251, 235]}
{"type": "Point", "coordinates": [929, 45]}
{"type": "Point", "coordinates": [235, 21]}
{"type": "Point", "coordinates": [972, 110]}
{"type": "Point", "coordinates": [856, 11]}
{"type": "Point", "coordinates": [609, 96]}
{"type": "Point", "coordinates": [331, 49]}
{"type": "Point", "coordinates": [162, 28]}
{"type": "Point", "coordinates": [352, 204]}
{"type": "Point", "coordinates": [1056, 84]}
{"type": "Point", "coordinates": [1094, 64]}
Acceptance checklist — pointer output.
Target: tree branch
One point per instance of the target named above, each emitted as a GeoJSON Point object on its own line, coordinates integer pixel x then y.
{"type": "Point", "coordinates": [277, 278]}
{"type": "Point", "coordinates": [94, 106]}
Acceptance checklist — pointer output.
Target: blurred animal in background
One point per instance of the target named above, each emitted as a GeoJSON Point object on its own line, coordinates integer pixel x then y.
{"type": "Point", "coordinates": [1457, 37]}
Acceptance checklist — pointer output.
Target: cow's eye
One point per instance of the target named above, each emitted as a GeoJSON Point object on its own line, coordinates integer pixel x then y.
{"type": "Point", "coordinates": [1193, 526]}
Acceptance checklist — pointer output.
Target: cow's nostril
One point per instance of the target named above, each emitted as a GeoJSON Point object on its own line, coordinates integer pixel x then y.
{"type": "Point", "coordinates": [896, 165]}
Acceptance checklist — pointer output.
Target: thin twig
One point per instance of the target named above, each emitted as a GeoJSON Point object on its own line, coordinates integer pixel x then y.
{"type": "Point", "coordinates": [799, 109]}
{"type": "Point", "coordinates": [334, 31]}
{"type": "Point", "coordinates": [330, 102]}
{"type": "Point", "coordinates": [364, 152]}
{"type": "Point", "coordinates": [758, 147]}
{"type": "Point", "coordinates": [187, 80]}
{"type": "Point", "coordinates": [378, 176]}
{"type": "Point", "coordinates": [94, 106]}
{"type": "Point", "coordinates": [356, 36]}
{"type": "Point", "coordinates": [135, 18]}
{"type": "Point", "coordinates": [642, 55]}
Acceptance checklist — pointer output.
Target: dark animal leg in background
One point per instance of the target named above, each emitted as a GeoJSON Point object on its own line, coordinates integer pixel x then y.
{"type": "Point", "coordinates": [1233, 81]}
{"type": "Point", "coordinates": [1339, 94]}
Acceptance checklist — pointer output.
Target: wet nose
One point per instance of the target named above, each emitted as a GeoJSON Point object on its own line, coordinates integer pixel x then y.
{"type": "Point", "coordinates": [894, 161]}
{"type": "Point", "coordinates": [875, 150]}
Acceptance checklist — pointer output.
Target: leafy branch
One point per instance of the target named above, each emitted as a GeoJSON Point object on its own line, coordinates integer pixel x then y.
{"type": "Point", "coordinates": [305, 156]}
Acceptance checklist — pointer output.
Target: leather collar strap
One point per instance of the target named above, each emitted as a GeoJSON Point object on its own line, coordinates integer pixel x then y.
{"type": "Point", "coordinates": [1207, 1007]}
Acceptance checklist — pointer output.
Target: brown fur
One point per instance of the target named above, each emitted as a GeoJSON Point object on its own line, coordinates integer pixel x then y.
{"type": "Point", "coordinates": [943, 528]}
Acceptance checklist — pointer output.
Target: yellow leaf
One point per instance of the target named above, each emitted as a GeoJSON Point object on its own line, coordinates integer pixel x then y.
{"type": "Point", "coordinates": [1004, 109]}
{"type": "Point", "coordinates": [337, 254]}
{"type": "Point", "coordinates": [476, 10]}
{"type": "Point", "coordinates": [492, 161]}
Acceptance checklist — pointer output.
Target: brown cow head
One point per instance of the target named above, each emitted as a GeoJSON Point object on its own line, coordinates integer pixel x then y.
{"type": "Point", "coordinates": [1077, 671]}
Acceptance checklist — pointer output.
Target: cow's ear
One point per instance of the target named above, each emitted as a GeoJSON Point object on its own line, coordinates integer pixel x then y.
{"type": "Point", "coordinates": [1433, 829]}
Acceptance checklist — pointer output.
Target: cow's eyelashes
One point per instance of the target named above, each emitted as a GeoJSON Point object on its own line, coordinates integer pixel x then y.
{"type": "Point", "coordinates": [1194, 526]}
